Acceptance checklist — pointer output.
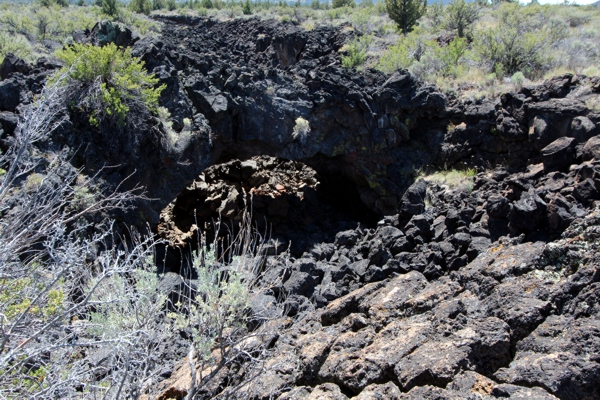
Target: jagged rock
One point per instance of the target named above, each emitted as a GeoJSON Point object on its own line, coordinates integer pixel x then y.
{"type": "Point", "coordinates": [413, 200]}
{"type": "Point", "coordinates": [13, 92]}
{"type": "Point", "coordinates": [498, 206]}
{"type": "Point", "coordinates": [8, 122]}
{"type": "Point", "coordinates": [106, 31]}
{"type": "Point", "coordinates": [582, 129]}
{"type": "Point", "coordinates": [528, 213]}
{"type": "Point", "coordinates": [387, 391]}
{"type": "Point", "coordinates": [559, 155]}
{"type": "Point", "coordinates": [555, 357]}
{"type": "Point", "coordinates": [11, 64]}
{"type": "Point", "coordinates": [591, 149]}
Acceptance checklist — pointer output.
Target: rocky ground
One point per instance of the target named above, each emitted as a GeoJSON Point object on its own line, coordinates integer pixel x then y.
{"type": "Point", "coordinates": [395, 287]}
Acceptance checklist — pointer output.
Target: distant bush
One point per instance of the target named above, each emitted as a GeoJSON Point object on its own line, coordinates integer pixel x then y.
{"type": "Point", "coordinates": [141, 6]}
{"type": "Point", "coordinates": [436, 13]}
{"type": "Point", "coordinates": [110, 7]}
{"type": "Point", "coordinates": [15, 44]}
{"type": "Point", "coordinates": [460, 16]}
{"type": "Point", "coordinates": [515, 45]}
{"type": "Point", "coordinates": [517, 79]}
{"type": "Point", "coordinates": [404, 53]}
{"type": "Point", "coordinates": [343, 3]}
{"type": "Point", "coordinates": [108, 82]}
{"type": "Point", "coordinates": [357, 52]}
{"type": "Point", "coordinates": [50, 3]}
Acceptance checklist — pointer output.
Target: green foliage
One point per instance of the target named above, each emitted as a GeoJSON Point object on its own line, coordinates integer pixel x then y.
{"type": "Point", "coordinates": [517, 44]}
{"type": "Point", "coordinates": [171, 5]}
{"type": "Point", "coordinates": [124, 303]}
{"type": "Point", "coordinates": [158, 4]}
{"type": "Point", "coordinates": [19, 296]}
{"type": "Point", "coordinates": [403, 54]}
{"type": "Point", "coordinates": [141, 6]}
{"type": "Point", "coordinates": [110, 7]}
{"type": "Point", "coordinates": [247, 10]}
{"type": "Point", "coordinates": [436, 13]}
{"type": "Point", "coordinates": [456, 179]}
{"type": "Point", "coordinates": [357, 52]}
{"type": "Point", "coordinates": [15, 44]}
{"type": "Point", "coordinates": [220, 307]}
{"type": "Point", "coordinates": [121, 77]}
{"type": "Point", "coordinates": [343, 3]}
{"type": "Point", "coordinates": [517, 79]}
{"type": "Point", "coordinates": [406, 13]}
{"type": "Point", "coordinates": [451, 54]}
{"type": "Point", "coordinates": [460, 16]}
{"type": "Point", "coordinates": [50, 3]}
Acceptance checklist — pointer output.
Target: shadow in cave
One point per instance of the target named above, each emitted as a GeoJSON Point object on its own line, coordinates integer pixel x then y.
{"type": "Point", "coordinates": [291, 204]}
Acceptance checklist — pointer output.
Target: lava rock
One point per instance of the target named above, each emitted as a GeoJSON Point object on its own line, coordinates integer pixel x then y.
{"type": "Point", "coordinates": [528, 213]}
{"type": "Point", "coordinates": [559, 155]}
{"type": "Point", "coordinates": [413, 200]}
{"type": "Point", "coordinates": [582, 129]}
{"type": "Point", "coordinates": [13, 64]}
{"type": "Point", "coordinates": [591, 149]}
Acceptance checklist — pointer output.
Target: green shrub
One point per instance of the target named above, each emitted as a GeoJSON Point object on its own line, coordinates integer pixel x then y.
{"type": "Point", "coordinates": [343, 3]}
{"type": "Point", "coordinates": [50, 3]}
{"type": "Point", "coordinates": [15, 44]}
{"type": "Point", "coordinates": [404, 53]}
{"type": "Point", "coordinates": [113, 81]}
{"type": "Point", "coordinates": [516, 44]}
{"type": "Point", "coordinates": [451, 54]}
{"type": "Point", "coordinates": [357, 52]}
{"type": "Point", "coordinates": [436, 13]}
{"type": "Point", "coordinates": [110, 7]}
{"type": "Point", "coordinates": [141, 6]}
{"type": "Point", "coordinates": [517, 79]}
{"type": "Point", "coordinates": [171, 5]}
{"type": "Point", "coordinates": [460, 16]}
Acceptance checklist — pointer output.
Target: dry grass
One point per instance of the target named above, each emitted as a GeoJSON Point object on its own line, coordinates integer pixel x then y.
{"type": "Point", "coordinates": [454, 179]}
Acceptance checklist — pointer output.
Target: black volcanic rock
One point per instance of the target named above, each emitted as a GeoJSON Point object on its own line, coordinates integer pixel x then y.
{"type": "Point", "coordinates": [559, 155]}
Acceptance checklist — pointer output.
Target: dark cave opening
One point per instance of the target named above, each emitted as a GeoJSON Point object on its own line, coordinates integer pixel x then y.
{"type": "Point", "coordinates": [291, 203]}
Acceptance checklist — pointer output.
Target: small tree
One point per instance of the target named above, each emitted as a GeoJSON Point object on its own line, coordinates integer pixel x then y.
{"type": "Point", "coordinates": [460, 16]}
{"type": "Point", "coordinates": [110, 7]}
{"type": "Point", "coordinates": [141, 6]}
{"type": "Point", "coordinates": [406, 13]}
{"type": "Point", "coordinates": [247, 9]}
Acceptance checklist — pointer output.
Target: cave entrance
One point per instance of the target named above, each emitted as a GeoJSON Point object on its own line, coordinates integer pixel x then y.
{"type": "Point", "coordinates": [290, 202]}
